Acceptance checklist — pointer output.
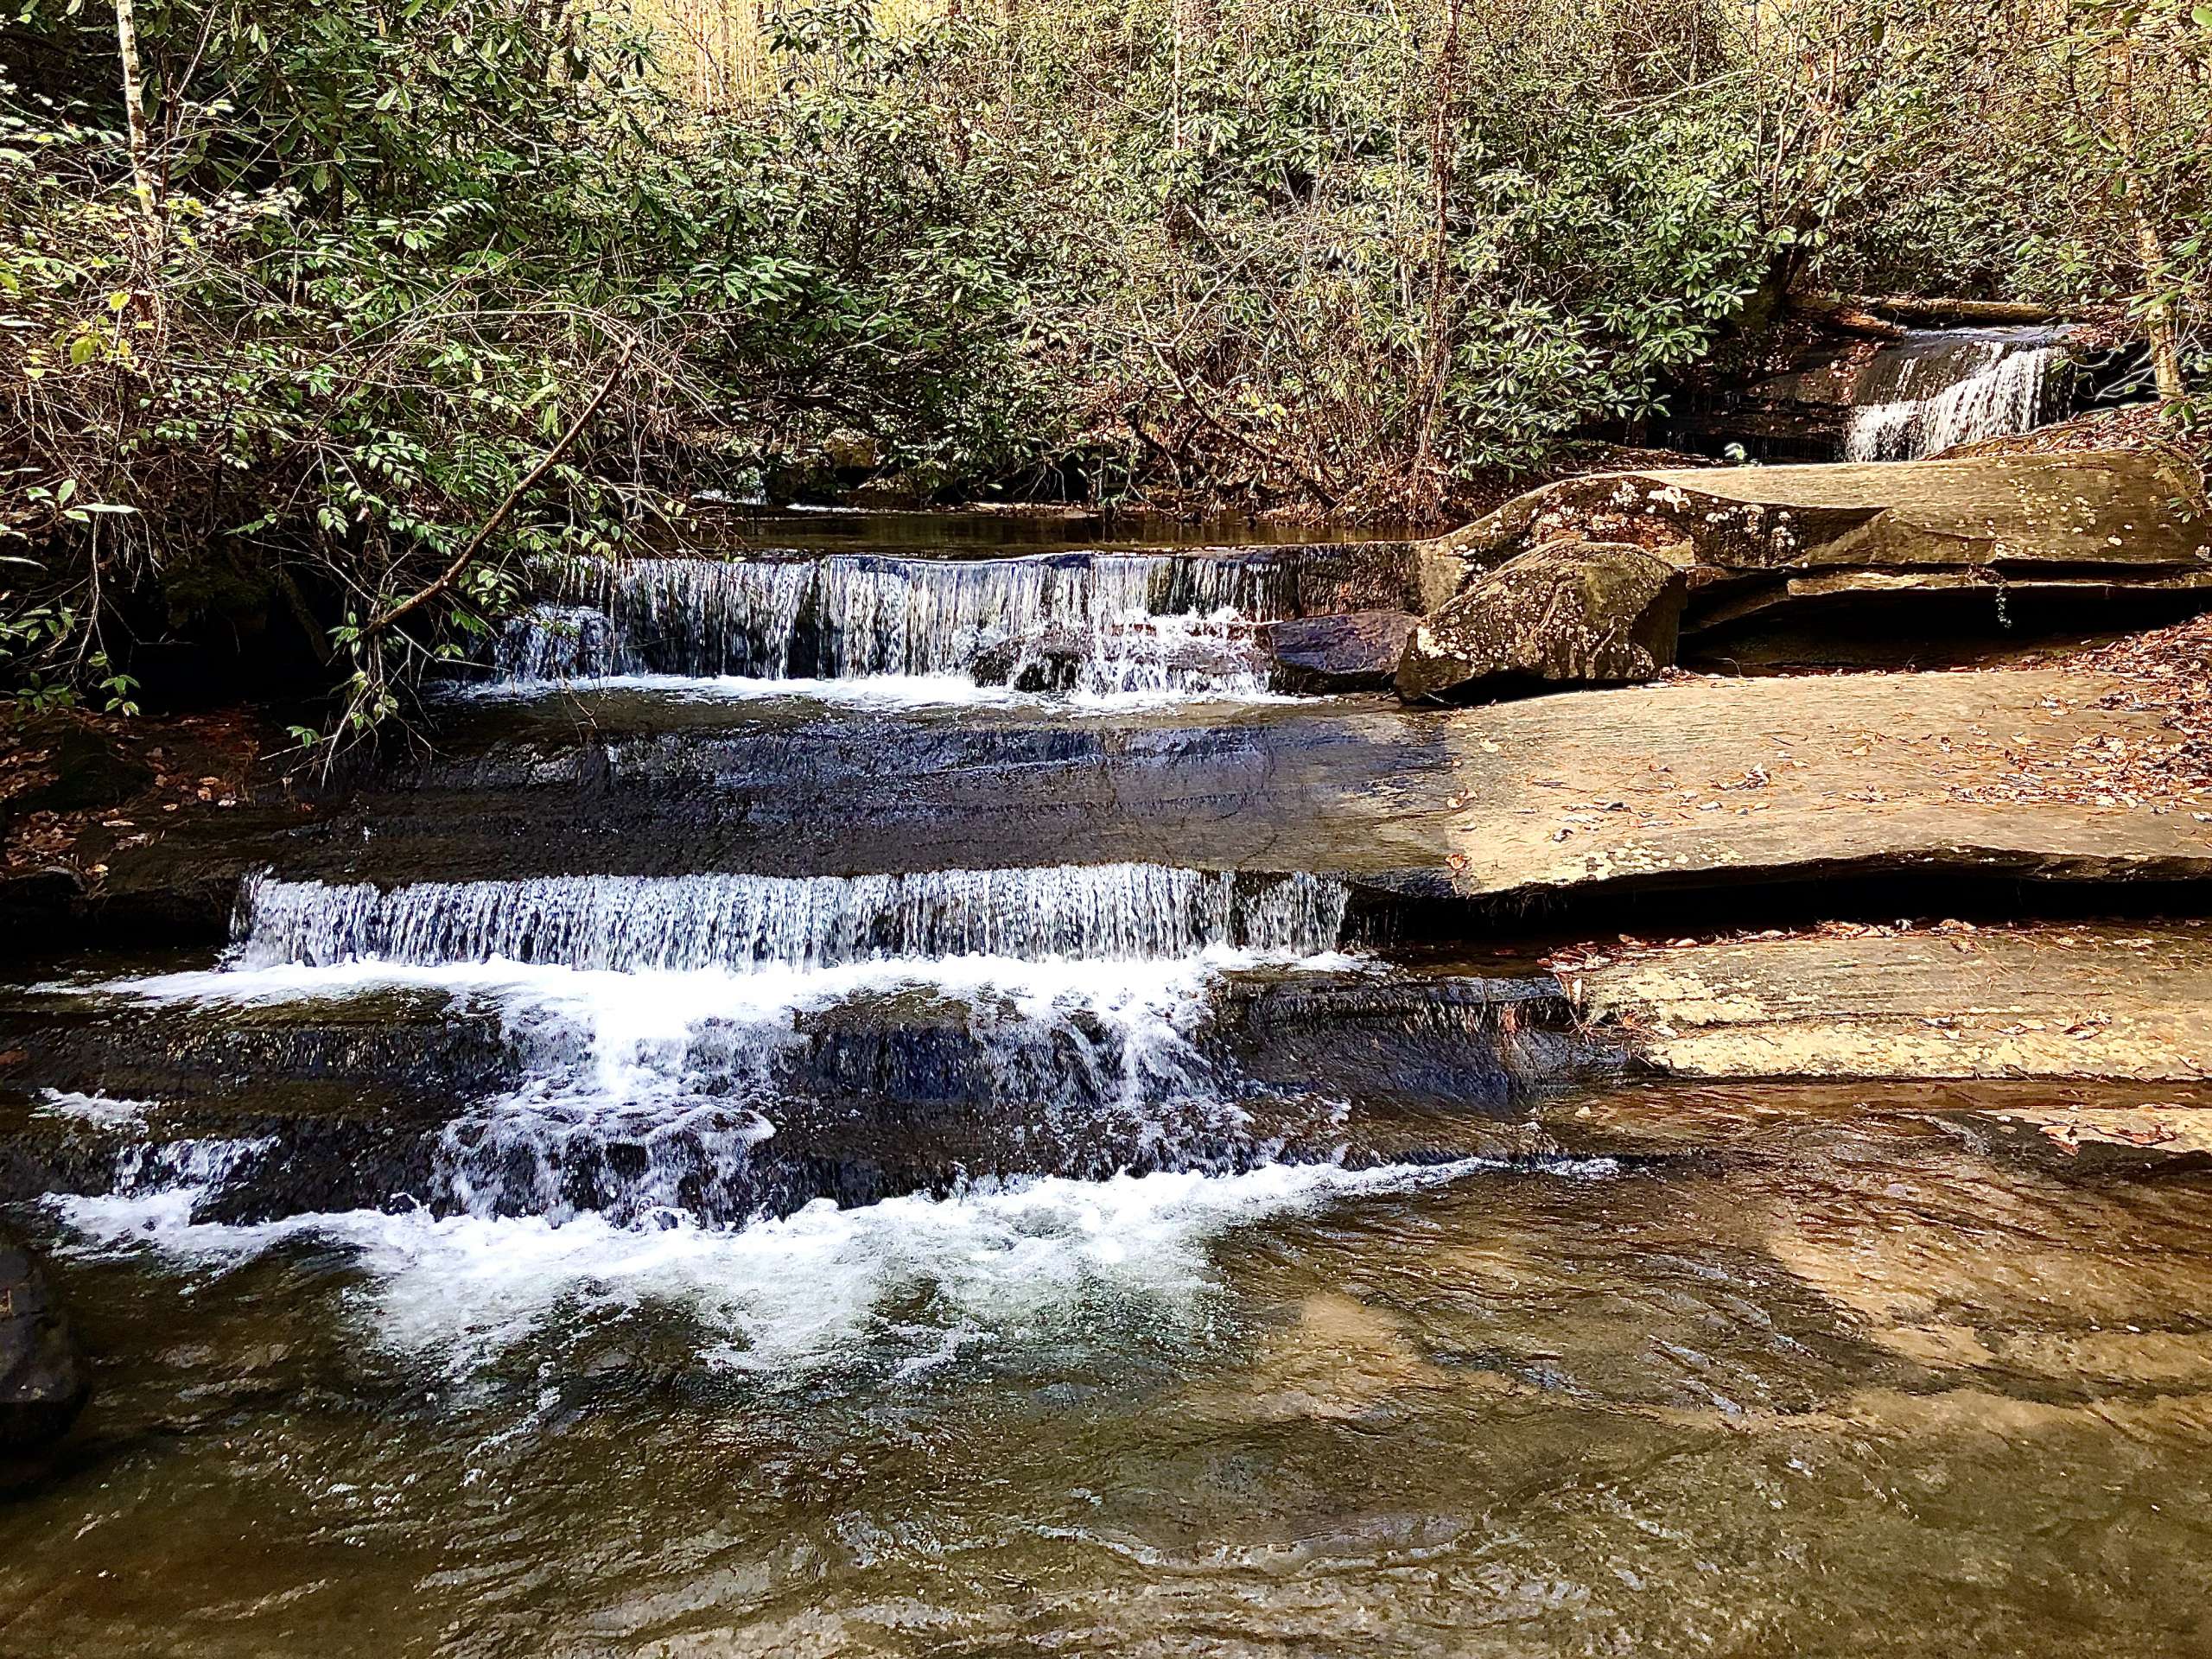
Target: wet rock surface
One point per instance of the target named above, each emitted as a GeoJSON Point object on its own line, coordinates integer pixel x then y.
{"type": "Point", "coordinates": [1713, 783]}
{"type": "Point", "coordinates": [1569, 613]}
{"type": "Point", "coordinates": [1356, 650]}
{"type": "Point", "coordinates": [43, 1384]}
{"type": "Point", "coordinates": [1068, 659]}
{"type": "Point", "coordinates": [868, 1099]}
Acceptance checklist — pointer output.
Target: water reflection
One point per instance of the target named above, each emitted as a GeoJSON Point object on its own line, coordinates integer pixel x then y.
{"type": "Point", "coordinates": [1817, 1382]}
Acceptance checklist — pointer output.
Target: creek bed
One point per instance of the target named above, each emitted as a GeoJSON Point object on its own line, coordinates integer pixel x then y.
{"type": "Point", "coordinates": [1867, 1387]}
{"type": "Point", "coordinates": [703, 1167]}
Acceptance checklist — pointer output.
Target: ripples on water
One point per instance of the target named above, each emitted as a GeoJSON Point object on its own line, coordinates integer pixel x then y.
{"type": "Point", "coordinates": [1847, 1383]}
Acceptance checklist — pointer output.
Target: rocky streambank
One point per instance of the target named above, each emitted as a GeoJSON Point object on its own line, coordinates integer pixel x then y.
{"type": "Point", "coordinates": [1563, 843]}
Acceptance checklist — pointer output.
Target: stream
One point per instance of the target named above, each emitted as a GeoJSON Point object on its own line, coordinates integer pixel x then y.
{"type": "Point", "coordinates": [777, 1139]}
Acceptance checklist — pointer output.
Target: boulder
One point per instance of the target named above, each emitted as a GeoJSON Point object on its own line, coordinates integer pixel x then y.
{"type": "Point", "coordinates": [42, 1381]}
{"type": "Point", "coordinates": [2084, 531]}
{"type": "Point", "coordinates": [1357, 651]}
{"type": "Point", "coordinates": [1048, 661]}
{"type": "Point", "coordinates": [1134, 654]}
{"type": "Point", "coordinates": [1571, 613]}
{"type": "Point", "coordinates": [2119, 514]}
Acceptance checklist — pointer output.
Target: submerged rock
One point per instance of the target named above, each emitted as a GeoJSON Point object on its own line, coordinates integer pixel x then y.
{"type": "Point", "coordinates": [1357, 651]}
{"type": "Point", "coordinates": [1165, 653]}
{"type": "Point", "coordinates": [1567, 614]}
{"type": "Point", "coordinates": [42, 1381]}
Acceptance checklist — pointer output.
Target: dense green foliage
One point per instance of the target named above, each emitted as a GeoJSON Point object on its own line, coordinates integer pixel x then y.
{"type": "Point", "coordinates": [1360, 257]}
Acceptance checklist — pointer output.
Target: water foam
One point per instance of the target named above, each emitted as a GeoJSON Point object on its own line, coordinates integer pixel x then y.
{"type": "Point", "coordinates": [101, 1111]}
{"type": "Point", "coordinates": [648, 1087]}
{"type": "Point", "coordinates": [898, 1285]}
{"type": "Point", "coordinates": [652, 1014]}
{"type": "Point", "coordinates": [1962, 392]}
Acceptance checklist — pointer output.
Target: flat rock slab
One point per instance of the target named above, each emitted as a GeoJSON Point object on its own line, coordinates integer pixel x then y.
{"type": "Point", "coordinates": [2126, 1003]}
{"type": "Point", "coordinates": [2118, 512]}
{"type": "Point", "coordinates": [1691, 784]}
{"type": "Point", "coordinates": [1713, 783]}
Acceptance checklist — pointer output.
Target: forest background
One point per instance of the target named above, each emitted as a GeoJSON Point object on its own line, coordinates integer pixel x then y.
{"type": "Point", "coordinates": [348, 309]}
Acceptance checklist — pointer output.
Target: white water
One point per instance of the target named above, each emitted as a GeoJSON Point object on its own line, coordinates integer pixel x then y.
{"type": "Point", "coordinates": [658, 1017]}
{"type": "Point", "coordinates": [99, 1110]}
{"type": "Point", "coordinates": [1962, 392]}
{"type": "Point", "coordinates": [1107, 912]}
{"type": "Point", "coordinates": [1147, 625]}
{"type": "Point", "coordinates": [885, 692]}
{"type": "Point", "coordinates": [652, 1014]}
{"type": "Point", "coordinates": [906, 1284]}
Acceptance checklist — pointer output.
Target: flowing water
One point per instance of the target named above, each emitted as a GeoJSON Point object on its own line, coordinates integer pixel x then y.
{"type": "Point", "coordinates": [1128, 624]}
{"type": "Point", "coordinates": [1947, 387]}
{"type": "Point", "coordinates": [1844, 1381]}
{"type": "Point", "coordinates": [770, 1173]}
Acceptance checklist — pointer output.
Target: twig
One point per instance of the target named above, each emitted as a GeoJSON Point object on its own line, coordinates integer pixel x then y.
{"type": "Point", "coordinates": [451, 574]}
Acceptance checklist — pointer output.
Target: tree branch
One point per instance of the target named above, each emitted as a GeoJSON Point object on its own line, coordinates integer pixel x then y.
{"type": "Point", "coordinates": [451, 574]}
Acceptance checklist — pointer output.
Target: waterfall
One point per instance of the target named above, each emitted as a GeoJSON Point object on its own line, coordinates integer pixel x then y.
{"type": "Point", "coordinates": [850, 616]}
{"type": "Point", "coordinates": [1949, 389]}
{"type": "Point", "coordinates": [641, 1096]}
{"type": "Point", "coordinates": [630, 924]}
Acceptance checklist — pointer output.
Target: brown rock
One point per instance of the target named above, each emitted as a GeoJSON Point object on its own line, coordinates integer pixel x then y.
{"type": "Point", "coordinates": [42, 1383]}
{"type": "Point", "coordinates": [1357, 651]}
{"type": "Point", "coordinates": [2119, 513]}
{"type": "Point", "coordinates": [1571, 613]}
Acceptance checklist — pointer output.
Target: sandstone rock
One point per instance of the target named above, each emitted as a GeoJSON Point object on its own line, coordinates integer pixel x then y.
{"type": "Point", "coordinates": [2111, 529]}
{"type": "Point", "coordinates": [1567, 614]}
{"type": "Point", "coordinates": [42, 1381]}
{"type": "Point", "coordinates": [1356, 651]}
{"type": "Point", "coordinates": [2077, 1001]}
{"type": "Point", "coordinates": [2119, 513]}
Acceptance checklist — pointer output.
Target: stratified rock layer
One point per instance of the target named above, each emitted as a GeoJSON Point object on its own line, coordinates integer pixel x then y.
{"type": "Point", "coordinates": [2132, 1002]}
{"type": "Point", "coordinates": [2078, 528]}
{"type": "Point", "coordinates": [1354, 651]}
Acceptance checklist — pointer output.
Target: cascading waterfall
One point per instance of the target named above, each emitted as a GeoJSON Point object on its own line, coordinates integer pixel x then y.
{"type": "Point", "coordinates": [855, 616]}
{"type": "Point", "coordinates": [664, 1021]}
{"type": "Point", "coordinates": [675, 924]}
{"type": "Point", "coordinates": [1958, 390]}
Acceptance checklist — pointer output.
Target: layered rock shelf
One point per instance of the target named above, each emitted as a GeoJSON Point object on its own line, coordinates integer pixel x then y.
{"type": "Point", "coordinates": [1775, 543]}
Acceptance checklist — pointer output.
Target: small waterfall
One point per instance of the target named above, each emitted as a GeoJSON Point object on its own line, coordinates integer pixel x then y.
{"type": "Point", "coordinates": [1947, 390]}
{"type": "Point", "coordinates": [629, 923]}
{"type": "Point", "coordinates": [646, 1097]}
{"type": "Point", "coordinates": [851, 616]}
{"type": "Point", "coordinates": [162, 1167]}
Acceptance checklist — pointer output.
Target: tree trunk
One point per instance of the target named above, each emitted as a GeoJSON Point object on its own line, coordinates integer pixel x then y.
{"type": "Point", "coordinates": [134, 112]}
{"type": "Point", "coordinates": [1439, 333]}
{"type": "Point", "coordinates": [2161, 321]}
{"type": "Point", "coordinates": [1928, 313]}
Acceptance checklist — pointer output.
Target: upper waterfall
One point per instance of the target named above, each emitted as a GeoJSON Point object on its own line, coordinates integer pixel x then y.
{"type": "Point", "coordinates": [628, 924]}
{"type": "Point", "coordinates": [846, 616]}
{"type": "Point", "coordinates": [1941, 390]}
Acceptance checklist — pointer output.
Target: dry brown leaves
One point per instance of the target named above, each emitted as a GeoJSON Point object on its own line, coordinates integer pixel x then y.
{"type": "Point", "coordinates": [2169, 674]}
{"type": "Point", "coordinates": [1591, 956]}
{"type": "Point", "coordinates": [198, 762]}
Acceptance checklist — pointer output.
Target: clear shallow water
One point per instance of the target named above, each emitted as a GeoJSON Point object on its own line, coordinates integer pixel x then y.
{"type": "Point", "coordinates": [1852, 1380]}
{"type": "Point", "coordinates": [1359, 1353]}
